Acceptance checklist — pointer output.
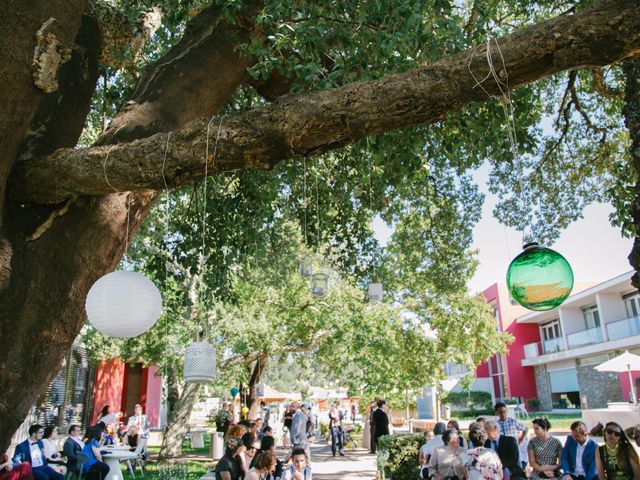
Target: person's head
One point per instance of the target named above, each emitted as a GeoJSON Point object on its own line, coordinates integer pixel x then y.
{"type": "Point", "coordinates": [74, 431]}
{"type": "Point", "coordinates": [450, 438]}
{"type": "Point", "coordinates": [478, 436]}
{"type": "Point", "coordinates": [101, 425]}
{"type": "Point", "coordinates": [501, 410]}
{"type": "Point", "coordinates": [265, 461]}
{"type": "Point", "coordinates": [480, 421]}
{"type": "Point", "coordinates": [439, 428]}
{"type": "Point", "coordinates": [259, 423]}
{"type": "Point", "coordinates": [104, 411]}
{"type": "Point", "coordinates": [248, 442]}
{"type": "Point", "coordinates": [94, 434]}
{"type": "Point", "coordinates": [579, 431]}
{"type": "Point", "coordinates": [381, 403]}
{"type": "Point", "coordinates": [614, 435]}
{"type": "Point", "coordinates": [540, 427]}
{"type": "Point", "coordinates": [50, 432]}
{"type": "Point", "coordinates": [305, 407]}
{"type": "Point", "coordinates": [492, 428]}
{"type": "Point", "coordinates": [299, 459]}
{"type": "Point", "coordinates": [453, 424]}
{"type": "Point", "coordinates": [232, 444]}
{"type": "Point", "coordinates": [236, 431]}
{"type": "Point", "coordinates": [225, 406]}
{"type": "Point", "coordinates": [428, 435]}
{"type": "Point", "coordinates": [268, 431]}
{"type": "Point", "coordinates": [262, 404]}
{"type": "Point", "coordinates": [267, 443]}
{"type": "Point", "coordinates": [295, 405]}
{"type": "Point", "coordinates": [132, 431]}
{"type": "Point", "coordinates": [111, 429]}
{"type": "Point", "coordinates": [36, 431]}
{"type": "Point", "coordinates": [137, 409]}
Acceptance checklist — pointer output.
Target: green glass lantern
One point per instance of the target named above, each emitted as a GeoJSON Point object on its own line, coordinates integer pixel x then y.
{"type": "Point", "coordinates": [539, 278]}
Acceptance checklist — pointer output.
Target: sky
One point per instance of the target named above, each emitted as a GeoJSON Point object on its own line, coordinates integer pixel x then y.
{"type": "Point", "coordinates": [595, 250]}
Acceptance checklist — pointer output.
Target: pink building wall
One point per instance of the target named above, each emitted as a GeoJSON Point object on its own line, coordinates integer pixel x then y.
{"type": "Point", "coordinates": [624, 385]}
{"type": "Point", "coordinates": [154, 395]}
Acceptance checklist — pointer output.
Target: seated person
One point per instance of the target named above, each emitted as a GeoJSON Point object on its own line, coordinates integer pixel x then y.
{"type": "Point", "coordinates": [579, 454]}
{"type": "Point", "coordinates": [507, 449]}
{"type": "Point", "coordinates": [132, 438]}
{"type": "Point", "coordinates": [19, 472]}
{"type": "Point", "coordinates": [545, 452]}
{"type": "Point", "coordinates": [32, 452]}
{"type": "Point", "coordinates": [73, 445]}
{"type": "Point", "coordinates": [95, 468]}
{"type": "Point", "coordinates": [299, 468]}
{"type": "Point", "coordinates": [110, 435]}
{"type": "Point", "coordinates": [51, 450]}
{"type": "Point", "coordinates": [228, 467]}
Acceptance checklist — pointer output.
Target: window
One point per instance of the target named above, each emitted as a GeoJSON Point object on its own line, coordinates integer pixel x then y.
{"type": "Point", "coordinates": [591, 317]}
{"type": "Point", "coordinates": [550, 330]}
{"type": "Point", "coordinates": [632, 304]}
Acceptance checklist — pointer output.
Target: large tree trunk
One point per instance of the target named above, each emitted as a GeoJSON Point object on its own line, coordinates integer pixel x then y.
{"type": "Point", "coordinates": [632, 121]}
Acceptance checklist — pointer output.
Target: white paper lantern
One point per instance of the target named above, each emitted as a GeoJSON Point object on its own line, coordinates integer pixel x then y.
{"type": "Point", "coordinates": [375, 292]}
{"type": "Point", "coordinates": [199, 363]}
{"type": "Point", "coordinates": [306, 267]}
{"type": "Point", "coordinates": [123, 304]}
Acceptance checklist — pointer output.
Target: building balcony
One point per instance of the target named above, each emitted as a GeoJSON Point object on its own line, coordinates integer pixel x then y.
{"type": "Point", "coordinates": [623, 328]}
{"type": "Point", "coordinates": [533, 350]}
{"type": "Point", "coordinates": [585, 337]}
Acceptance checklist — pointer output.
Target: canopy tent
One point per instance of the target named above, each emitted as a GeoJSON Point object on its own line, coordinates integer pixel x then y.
{"type": "Point", "coordinates": [625, 362]}
{"type": "Point", "coordinates": [267, 394]}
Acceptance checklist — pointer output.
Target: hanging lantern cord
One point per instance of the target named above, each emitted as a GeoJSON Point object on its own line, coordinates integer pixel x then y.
{"type": "Point", "coordinates": [509, 113]}
{"type": "Point", "coordinates": [166, 229]}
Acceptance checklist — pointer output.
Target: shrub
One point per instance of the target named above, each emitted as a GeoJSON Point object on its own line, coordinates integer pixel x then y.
{"type": "Point", "coordinates": [473, 400]}
{"type": "Point", "coordinates": [534, 404]}
{"type": "Point", "coordinates": [398, 456]}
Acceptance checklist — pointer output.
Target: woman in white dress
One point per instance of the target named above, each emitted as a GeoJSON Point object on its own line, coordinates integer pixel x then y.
{"type": "Point", "coordinates": [51, 452]}
{"type": "Point", "coordinates": [366, 429]}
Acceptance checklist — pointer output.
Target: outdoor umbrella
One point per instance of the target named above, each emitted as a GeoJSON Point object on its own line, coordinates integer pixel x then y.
{"type": "Point", "coordinates": [625, 362]}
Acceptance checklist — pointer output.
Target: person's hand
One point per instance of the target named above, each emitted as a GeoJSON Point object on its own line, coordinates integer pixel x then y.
{"type": "Point", "coordinates": [8, 467]}
{"type": "Point", "coordinates": [297, 476]}
{"type": "Point", "coordinates": [566, 477]}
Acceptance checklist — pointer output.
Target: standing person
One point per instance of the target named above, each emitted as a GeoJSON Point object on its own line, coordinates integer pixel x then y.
{"type": "Point", "coordinates": [10, 472]}
{"type": "Point", "coordinates": [54, 459]}
{"type": "Point", "coordinates": [545, 451]}
{"type": "Point", "coordinates": [579, 454]}
{"type": "Point", "coordinates": [299, 468]}
{"type": "Point", "coordinates": [335, 425]}
{"type": "Point", "coordinates": [73, 445]}
{"type": "Point", "coordinates": [227, 467]}
{"type": "Point", "coordinates": [380, 422]}
{"type": "Point", "coordinates": [435, 442]}
{"type": "Point", "coordinates": [508, 426]}
{"type": "Point", "coordinates": [443, 460]}
{"type": "Point", "coordinates": [616, 459]}
{"type": "Point", "coordinates": [453, 424]}
{"type": "Point", "coordinates": [95, 468]}
{"type": "Point", "coordinates": [287, 419]}
{"type": "Point", "coordinates": [353, 410]}
{"type": "Point", "coordinates": [141, 422]}
{"type": "Point", "coordinates": [373, 406]}
{"type": "Point", "coordinates": [299, 428]}
{"type": "Point", "coordinates": [223, 419]}
{"type": "Point", "coordinates": [422, 455]}
{"type": "Point", "coordinates": [31, 451]}
{"type": "Point", "coordinates": [265, 414]}
{"type": "Point", "coordinates": [507, 449]}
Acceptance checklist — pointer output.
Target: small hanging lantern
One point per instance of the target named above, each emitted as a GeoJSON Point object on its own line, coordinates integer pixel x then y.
{"type": "Point", "coordinates": [375, 292]}
{"type": "Point", "coordinates": [320, 284]}
{"type": "Point", "coordinates": [199, 363]}
{"type": "Point", "coordinates": [539, 278]}
{"type": "Point", "coordinates": [306, 266]}
{"type": "Point", "coordinates": [123, 304]}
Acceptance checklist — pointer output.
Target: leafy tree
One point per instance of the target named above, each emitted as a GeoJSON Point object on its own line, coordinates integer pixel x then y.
{"type": "Point", "coordinates": [396, 72]}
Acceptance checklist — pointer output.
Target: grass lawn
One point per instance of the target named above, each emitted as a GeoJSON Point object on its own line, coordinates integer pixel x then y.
{"type": "Point", "coordinates": [189, 470]}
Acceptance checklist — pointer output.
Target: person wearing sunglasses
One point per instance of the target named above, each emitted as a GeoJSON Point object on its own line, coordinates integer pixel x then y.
{"type": "Point", "coordinates": [617, 459]}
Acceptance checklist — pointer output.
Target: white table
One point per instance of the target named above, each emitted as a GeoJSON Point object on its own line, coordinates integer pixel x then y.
{"type": "Point", "coordinates": [113, 460]}
{"type": "Point", "coordinates": [626, 418]}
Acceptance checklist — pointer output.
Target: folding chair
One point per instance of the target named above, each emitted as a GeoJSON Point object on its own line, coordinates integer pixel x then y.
{"type": "Point", "coordinates": [139, 459]}
{"type": "Point", "coordinates": [76, 473]}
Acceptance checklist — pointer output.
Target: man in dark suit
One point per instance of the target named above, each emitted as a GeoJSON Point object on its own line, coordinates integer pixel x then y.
{"type": "Point", "coordinates": [579, 454]}
{"type": "Point", "coordinates": [32, 452]}
{"type": "Point", "coordinates": [506, 448]}
{"type": "Point", "coordinates": [72, 447]}
{"type": "Point", "coordinates": [380, 422]}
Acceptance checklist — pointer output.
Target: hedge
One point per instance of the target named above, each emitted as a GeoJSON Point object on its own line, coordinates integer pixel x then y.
{"type": "Point", "coordinates": [474, 400]}
{"type": "Point", "coordinates": [398, 456]}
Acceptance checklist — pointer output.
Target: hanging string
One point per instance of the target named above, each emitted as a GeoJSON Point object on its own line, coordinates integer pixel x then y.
{"type": "Point", "coordinates": [509, 113]}
{"type": "Point", "coordinates": [318, 238]}
{"type": "Point", "coordinates": [304, 196]}
{"type": "Point", "coordinates": [166, 232]}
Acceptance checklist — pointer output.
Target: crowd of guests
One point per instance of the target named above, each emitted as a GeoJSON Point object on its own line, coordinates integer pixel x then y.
{"type": "Point", "coordinates": [38, 457]}
{"type": "Point", "coordinates": [500, 449]}
{"type": "Point", "coordinates": [250, 448]}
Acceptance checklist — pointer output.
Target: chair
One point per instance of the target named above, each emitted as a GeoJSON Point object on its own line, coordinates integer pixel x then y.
{"type": "Point", "coordinates": [76, 472]}
{"type": "Point", "coordinates": [139, 459]}
{"type": "Point", "coordinates": [520, 411]}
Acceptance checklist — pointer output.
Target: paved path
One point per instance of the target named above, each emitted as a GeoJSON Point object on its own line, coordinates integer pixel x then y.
{"type": "Point", "coordinates": [357, 464]}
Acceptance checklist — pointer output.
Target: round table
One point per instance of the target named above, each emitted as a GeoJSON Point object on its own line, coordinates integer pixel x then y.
{"type": "Point", "coordinates": [112, 458]}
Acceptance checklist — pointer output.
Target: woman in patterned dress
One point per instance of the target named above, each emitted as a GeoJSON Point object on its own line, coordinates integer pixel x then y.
{"type": "Point", "coordinates": [478, 463]}
{"type": "Point", "coordinates": [545, 451]}
{"type": "Point", "coordinates": [617, 459]}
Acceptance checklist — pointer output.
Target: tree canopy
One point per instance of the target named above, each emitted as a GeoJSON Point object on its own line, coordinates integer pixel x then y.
{"type": "Point", "coordinates": [386, 106]}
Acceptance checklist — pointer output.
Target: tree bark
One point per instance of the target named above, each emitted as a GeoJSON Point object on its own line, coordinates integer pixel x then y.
{"type": "Point", "coordinates": [178, 421]}
{"type": "Point", "coordinates": [632, 121]}
{"type": "Point", "coordinates": [310, 124]}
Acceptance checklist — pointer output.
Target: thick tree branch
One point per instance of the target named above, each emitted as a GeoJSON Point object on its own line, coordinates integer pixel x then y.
{"type": "Point", "coordinates": [600, 86]}
{"type": "Point", "coordinates": [310, 124]}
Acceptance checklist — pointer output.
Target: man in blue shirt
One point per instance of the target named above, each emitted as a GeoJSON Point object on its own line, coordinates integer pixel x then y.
{"type": "Point", "coordinates": [579, 454]}
{"type": "Point", "coordinates": [32, 452]}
